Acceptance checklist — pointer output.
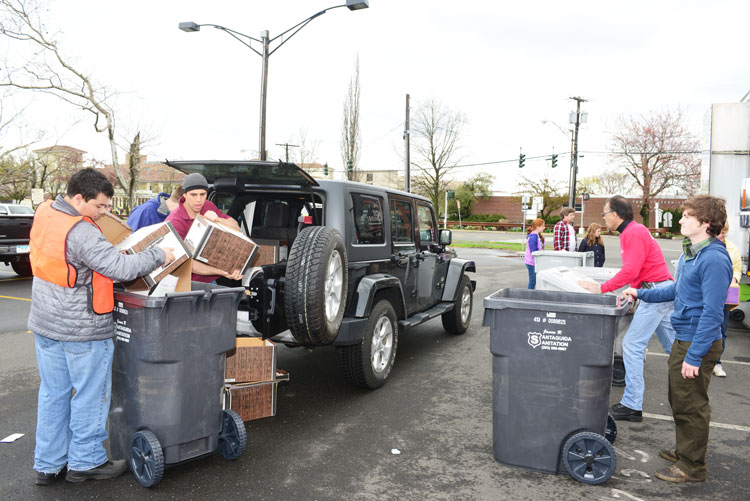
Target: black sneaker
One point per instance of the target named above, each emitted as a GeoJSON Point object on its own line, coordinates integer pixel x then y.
{"type": "Point", "coordinates": [47, 478]}
{"type": "Point", "coordinates": [622, 413]}
{"type": "Point", "coordinates": [110, 469]}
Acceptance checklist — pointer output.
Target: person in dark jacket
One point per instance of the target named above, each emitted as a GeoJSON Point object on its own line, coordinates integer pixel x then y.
{"type": "Point", "coordinates": [593, 242]}
{"type": "Point", "coordinates": [155, 210]}
{"type": "Point", "coordinates": [704, 272]}
{"type": "Point", "coordinates": [71, 319]}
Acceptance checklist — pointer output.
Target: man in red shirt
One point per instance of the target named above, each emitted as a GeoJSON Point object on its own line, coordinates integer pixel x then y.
{"type": "Point", "coordinates": [565, 235]}
{"type": "Point", "coordinates": [643, 266]}
{"type": "Point", "coordinates": [192, 203]}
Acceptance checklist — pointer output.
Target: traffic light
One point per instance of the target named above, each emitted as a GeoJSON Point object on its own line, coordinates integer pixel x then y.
{"type": "Point", "coordinates": [554, 160]}
{"type": "Point", "coordinates": [349, 169]}
{"type": "Point", "coordinates": [325, 170]}
{"type": "Point", "coordinates": [521, 160]}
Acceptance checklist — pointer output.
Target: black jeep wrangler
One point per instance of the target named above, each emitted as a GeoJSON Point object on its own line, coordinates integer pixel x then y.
{"type": "Point", "coordinates": [347, 264]}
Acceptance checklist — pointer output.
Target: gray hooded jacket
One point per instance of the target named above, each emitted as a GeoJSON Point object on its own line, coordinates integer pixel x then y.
{"type": "Point", "coordinates": [64, 313]}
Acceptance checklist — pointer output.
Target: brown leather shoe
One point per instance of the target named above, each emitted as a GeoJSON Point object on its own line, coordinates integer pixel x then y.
{"type": "Point", "coordinates": [669, 455]}
{"type": "Point", "coordinates": [673, 474]}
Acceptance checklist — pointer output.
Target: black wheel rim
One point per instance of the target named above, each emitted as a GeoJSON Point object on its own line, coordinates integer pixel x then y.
{"type": "Point", "coordinates": [229, 443]}
{"type": "Point", "coordinates": [589, 459]}
{"type": "Point", "coordinates": [142, 461]}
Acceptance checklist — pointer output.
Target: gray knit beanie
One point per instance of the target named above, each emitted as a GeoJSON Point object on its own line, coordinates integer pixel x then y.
{"type": "Point", "coordinates": [194, 181]}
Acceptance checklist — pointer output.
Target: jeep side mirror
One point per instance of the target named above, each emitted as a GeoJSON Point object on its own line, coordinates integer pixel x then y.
{"type": "Point", "coordinates": [446, 237]}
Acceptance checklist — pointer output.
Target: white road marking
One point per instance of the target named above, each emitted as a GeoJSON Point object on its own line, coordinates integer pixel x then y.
{"type": "Point", "coordinates": [723, 362]}
{"type": "Point", "coordinates": [725, 426]}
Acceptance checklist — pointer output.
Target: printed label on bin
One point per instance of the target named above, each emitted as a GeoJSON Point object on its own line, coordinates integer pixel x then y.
{"type": "Point", "coordinates": [122, 331]}
{"type": "Point", "coordinates": [549, 339]}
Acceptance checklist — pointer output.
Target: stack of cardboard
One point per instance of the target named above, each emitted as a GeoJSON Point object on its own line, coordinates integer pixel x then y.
{"type": "Point", "coordinates": [252, 378]}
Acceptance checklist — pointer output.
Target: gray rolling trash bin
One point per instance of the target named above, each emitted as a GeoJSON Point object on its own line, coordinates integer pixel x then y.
{"type": "Point", "coordinates": [551, 370]}
{"type": "Point", "coordinates": [167, 378]}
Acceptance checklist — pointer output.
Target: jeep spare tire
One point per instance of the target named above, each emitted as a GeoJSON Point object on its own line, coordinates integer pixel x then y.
{"type": "Point", "coordinates": [316, 285]}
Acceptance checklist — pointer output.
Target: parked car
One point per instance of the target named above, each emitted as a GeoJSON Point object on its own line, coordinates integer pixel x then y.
{"type": "Point", "coordinates": [353, 265]}
{"type": "Point", "coordinates": [15, 227]}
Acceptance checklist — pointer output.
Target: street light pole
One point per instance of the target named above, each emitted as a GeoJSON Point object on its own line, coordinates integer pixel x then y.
{"type": "Point", "coordinates": [266, 51]}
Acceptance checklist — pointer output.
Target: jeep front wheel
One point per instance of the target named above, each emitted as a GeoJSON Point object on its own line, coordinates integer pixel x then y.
{"type": "Point", "coordinates": [316, 285]}
{"type": "Point", "coordinates": [22, 267]}
{"type": "Point", "coordinates": [457, 320]}
{"type": "Point", "coordinates": [369, 363]}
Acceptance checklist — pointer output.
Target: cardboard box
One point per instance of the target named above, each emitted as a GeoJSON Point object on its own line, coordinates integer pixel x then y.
{"type": "Point", "coordinates": [156, 235]}
{"type": "Point", "coordinates": [116, 231]}
{"type": "Point", "coordinates": [254, 400]}
{"type": "Point", "coordinates": [253, 360]}
{"type": "Point", "coordinates": [219, 246]}
{"type": "Point", "coordinates": [266, 254]}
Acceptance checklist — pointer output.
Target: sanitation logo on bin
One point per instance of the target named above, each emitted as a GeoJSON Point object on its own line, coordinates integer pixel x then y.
{"type": "Point", "coordinates": [535, 339]}
{"type": "Point", "coordinates": [549, 339]}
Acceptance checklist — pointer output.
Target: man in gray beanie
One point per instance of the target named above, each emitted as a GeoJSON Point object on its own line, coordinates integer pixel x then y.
{"type": "Point", "coordinates": [192, 203]}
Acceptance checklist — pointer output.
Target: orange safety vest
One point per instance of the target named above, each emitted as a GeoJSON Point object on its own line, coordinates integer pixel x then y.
{"type": "Point", "coordinates": [49, 234]}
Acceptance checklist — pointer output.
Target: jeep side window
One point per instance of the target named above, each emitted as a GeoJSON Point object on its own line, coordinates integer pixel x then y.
{"type": "Point", "coordinates": [367, 211]}
{"type": "Point", "coordinates": [426, 225]}
{"type": "Point", "coordinates": [401, 222]}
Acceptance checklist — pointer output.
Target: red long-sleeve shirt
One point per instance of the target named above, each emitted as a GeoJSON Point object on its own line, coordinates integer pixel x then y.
{"type": "Point", "coordinates": [642, 259]}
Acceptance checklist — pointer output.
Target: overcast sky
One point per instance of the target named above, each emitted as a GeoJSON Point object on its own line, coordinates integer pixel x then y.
{"type": "Point", "coordinates": [505, 65]}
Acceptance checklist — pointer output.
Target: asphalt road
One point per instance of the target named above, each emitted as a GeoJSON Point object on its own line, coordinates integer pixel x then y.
{"type": "Point", "coordinates": [332, 441]}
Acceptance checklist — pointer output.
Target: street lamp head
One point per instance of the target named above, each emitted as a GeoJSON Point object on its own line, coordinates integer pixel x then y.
{"type": "Point", "coordinates": [190, 26]}
{"type": "Point", "coordinates": [357, 4]}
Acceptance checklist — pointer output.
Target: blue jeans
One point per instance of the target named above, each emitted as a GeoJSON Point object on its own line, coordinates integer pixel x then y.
{"type": "Point", "coordinates": [71, 430]}
{"type": "Point", "coordinates": [532, 275]}
{"type": "Point", "coordinates": [648, 317]}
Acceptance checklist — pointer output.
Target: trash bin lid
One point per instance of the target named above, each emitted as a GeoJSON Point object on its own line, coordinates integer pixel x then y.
{"type": "Point", "coordinates": [558, 301]}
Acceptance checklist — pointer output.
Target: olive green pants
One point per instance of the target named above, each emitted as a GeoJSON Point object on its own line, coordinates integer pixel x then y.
{"type": "Point", "coordinates": [690, 408]}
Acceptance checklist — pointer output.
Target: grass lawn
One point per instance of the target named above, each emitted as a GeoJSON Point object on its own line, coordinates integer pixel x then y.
{"type": "Point", "coordinates": [515, 246]}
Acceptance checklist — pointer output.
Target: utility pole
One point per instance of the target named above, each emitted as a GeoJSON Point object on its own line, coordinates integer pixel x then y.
{"type": "Point", "coordinates": [574, 153]}
{"type": "Point", "coordinates": [286, 147]}
{"type": "Point", "coordinates": [407, 173]}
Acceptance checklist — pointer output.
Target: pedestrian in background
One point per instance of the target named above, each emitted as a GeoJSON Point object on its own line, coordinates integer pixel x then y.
{"type": "Point", "coordinates": [72, 300]}
{"type": "Point", "coordinates": [155, 210]}
{"type": "Point", "coordinates": [734, 254]}
{"type": "Point", "coordinates": [534, 242]}
{"type": "Point", "coordinates": [563, 232]}
{"type": "Point", "coordinates": [704, 272]}
{"type": "Point", "coordinates": [592, 241]}
{"type": "Point", "coordinates": [643, 266]}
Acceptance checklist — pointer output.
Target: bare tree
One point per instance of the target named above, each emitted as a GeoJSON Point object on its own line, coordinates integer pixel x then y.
{"type": "Point", "coordinates": [308, 147]}
{"type": "Point", "coordinates": [612, 182]}
{"type": "Point", "coordinates": [436, 135]}
{"type": "Point", "coordinates": [658, 152]}
{"type": "Point", "coordinates": [350, 133]}
{"type": "Point", "coordinates": [554, 194]}
{"type": "Point", "coordinates": [48, 71]}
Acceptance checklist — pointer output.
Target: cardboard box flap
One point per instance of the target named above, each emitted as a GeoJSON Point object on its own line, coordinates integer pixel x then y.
{"type": "Point", "coordinates": [114, 229]}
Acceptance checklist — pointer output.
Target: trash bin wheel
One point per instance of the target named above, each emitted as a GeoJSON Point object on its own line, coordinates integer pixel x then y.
{"type": "Point", "coordinates": [618, 371]}
{"type": "Point", "coordinates": [610, 433]}
{"type": "Point", "coordinates": [457, 320]}
{"type": "Point", "coordinates": [369, 363]}
{"type": "Point", "coordinates": [737, 315]}
{"type": "Point", "coordinates": [589, 458]}
{"type": "Point", "coordinates": [233, 435]}
{"type": "Point", "coordinates": [316, 285]}
{"type": "Point", "coordinates": [146, 458]}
